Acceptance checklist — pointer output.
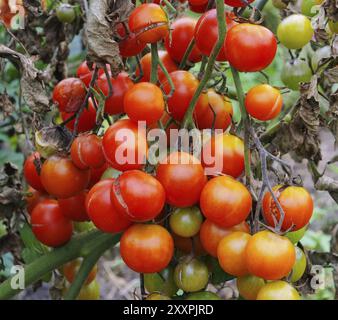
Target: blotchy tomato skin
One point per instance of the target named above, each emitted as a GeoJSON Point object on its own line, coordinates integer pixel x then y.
{"type": "Point", "coordinates": [182, 32]}
{"type": "Point", "coordinates": [62, 179]}
{"type": "Point", "coordinates": [74, 208]}
{"type": "Point", "coordinates": [278, 290]}
{"type": "Point", "coordinates": [138, 195]}
{"type": "Point", "coordinates": [49, 225]}
{"type": "Point", "coordinates": [101, 210]}
{"type": "Point", "coordinates": [264, 102]}
{"type": "Point", "coordinates": [296, 202]}
{"type": "Point", "coordinates": [183, 179]}
{"type": "Point", "coordinates": [121, 84]}
{"type": "Point", "coordinates": [269, 256]}
{"type": "Point", "coordinates": [31, 174]}
{"type": "Point", "coordinates": [211, 234]}
{"type": "Point", "coordinates": [225, 201]}
{"type": "Point", "coordinates": [224, 153]}
{"type": "Point", "coordinates": [136, 146]}
{"type": "Point", "coordinates": [146, 248]}
{"type": "Point", "coordinates": [144, 102]}
{"type": "Point", "coordinates": [249, 47]}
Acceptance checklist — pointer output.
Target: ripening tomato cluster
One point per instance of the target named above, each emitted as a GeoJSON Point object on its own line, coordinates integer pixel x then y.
{"type": "Point", "coordinates": [177, 222]}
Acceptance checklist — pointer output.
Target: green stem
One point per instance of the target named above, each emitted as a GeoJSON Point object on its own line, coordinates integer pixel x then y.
{"type": "Point", "coordinates": [154, 63]}
{"type": "Point", "coordinates": [246, 122]}
{"type": "Point", "coordinates": [170, 6]}
{"type": "Point", "coordinates": [187, 54]}
{"type": "Point", "coordinates": [89, 262]}
{"type": "Point", "coordinates": [188, 118]}
{"type": "Point", "coordinates": [168, 77]}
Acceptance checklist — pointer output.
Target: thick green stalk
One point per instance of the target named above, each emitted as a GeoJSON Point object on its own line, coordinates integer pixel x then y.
{"type": "Point", "coordinates": [187, 54]}
{"type": "Point", "coordinates": [188, 118]}
{"type": "Point", "coordinates": [154, 63]}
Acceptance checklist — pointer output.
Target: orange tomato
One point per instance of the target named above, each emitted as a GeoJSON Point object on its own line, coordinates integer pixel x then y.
{"type": "Point", "coordinates": [278, 290]}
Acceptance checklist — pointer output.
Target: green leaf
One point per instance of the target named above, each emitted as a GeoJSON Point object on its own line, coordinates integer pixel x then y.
{"type": "Point", "coordinates": [31, 242]}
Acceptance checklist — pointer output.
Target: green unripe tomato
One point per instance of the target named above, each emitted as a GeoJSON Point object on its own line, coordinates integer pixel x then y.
{"type": "Point", "coordinates": [295, 31]}
{"type": "Point", "coordinates": [296, 236]}
{"type": "Point", "coordinates": [83, 226]}
{"type": "Point", "coordinates": [333, 26]}
{"type": "Point", "coordinates": [157, 296]}
{"type": "Point", "coordinates": [299, 266]}
{"type": "Point", "coordinates": [306, 8]}
{"type": "Point", "coordinates": [161, 283]}
{"type": "Point", "coordinates": [89, 292]}
{"type": "Point", "coordinates": [65, 13]}
{"type": "Point", "coordinates": [203, 295]}
{"type": "Point", "coordinates": [249, 286]}
{"type": "Point", "coordinates": [295, 72]}
{"type": "Point", "coordinates": [186, 222]}
{"type": "Point", "coordinates": [110, 173]}
{"type": "Point", "coordinates": [191, 275]}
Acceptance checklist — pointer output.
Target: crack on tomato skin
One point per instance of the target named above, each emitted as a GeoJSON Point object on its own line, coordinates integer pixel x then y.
{"type": "Point", "coordinates": [138, 32]}
{"type": "Point", "coordinates": [116, 188]}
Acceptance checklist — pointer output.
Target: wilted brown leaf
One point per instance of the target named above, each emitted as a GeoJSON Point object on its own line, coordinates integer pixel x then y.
{"type": "Point", "coordinates": [6, 105]}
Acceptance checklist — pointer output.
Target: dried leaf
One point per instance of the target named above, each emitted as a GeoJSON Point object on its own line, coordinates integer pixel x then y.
{"type": "Point", "coordinates": [331, 75]}
{"type": "Point", "coordinates": [331, 9]}
{"type": "Point", "coordinates": [6, 105]}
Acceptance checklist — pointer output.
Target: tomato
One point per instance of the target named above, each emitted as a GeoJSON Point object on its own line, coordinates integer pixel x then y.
{"type": "Point", "coordinates": [182, 32]}
{"type": "Point", "coordinates": [278, 290]}
{"type": "Point", "coordinates": [249, 47]}
{"type": "Point", "coordinates": [183, 179]}
{"type": "Point", "coordinates": [101, 210]}
{"type": "Point", "coordinates": [33, 198]}
{"type": "Point", "coordinates": [263, 102]}
{"type": "Point", "coordinates": [121, 84]}
{"type": "Point", "coordinates": [129, 45]}
{"type": "Point", "coordinates": [74, 207]}
{"type": "Point", "coordinates": [294, 72]}
{"type": "Point", "coordinates": [199, 8]}
{"type": "Point", "coordinates": [299, 266]}
{"type": "Point", "coordinates": [138, 195]}
{"type": "Point", "coordinates": [269, 256]}
{"type": "Point", "coordinates": [237, 3]}
{"type": "Point", "coordinates": [164, 56]}
{"type": "Point", "coordinates": [215, 112]}
{"type": "Point", "coordinates": [295, 31]}
{"type": "Point", "coordinates": [49, 225]}
{"type": "Point", "coordinates": [7, 13]}
{"type": "Point", "coordinates": [306, 8]}
{"type": "Point", "coordinates": [225, 201]}
{"type": "Point", "coordinates": [185, 86]}
{"type": "Point", "coordinates": [62, 179]}
{"type": "Point", "coordinates": [30, 172]}
{"type": "Point", "coordinates": [149, 22]}
{"type": "Point", "coordinates": [203, 295]}
{"type": "Point", "coordinates": [163, 282]}
{"type": "Point", "coordinates": [96, 174]}
{"type": "Point", "coordinates": [197, 2]}
{"type": "Point", "coordinates": [65, 13]}
{"type": "Point", "coordinates": [85, 74]}
{"type": "Point", "coordinates": [189, 245]}
{"type": "Point", "coordinates": [211, 235]}
{"type": "Point", "coordinates": [248, 286]}
{"type": "Point", "coordinates": [71, 269]}
{"type": "Point", "coordinates": [144, 102]}
{"type": "Point", "coordinates": [296, 202]}
{"type": "Point", "coordinates": [206, 32]}
{"type": "Point", "coordinates": [146, 248]}
{"type": "Point", "coordinates": [191, 275]}
{"type": "Point", "coordinates": [125, 145]}
{"type": "Point", "coordinates": [224, 153]}
{"type": "Point", "coordinates": [87, 119]}
{"type": "Point", "coordinates": [69, 94]}
{"type": "Point", "coordinates": [86, 152]}
{"type": "Point", "coordinates": [296, 236]}
{"type": "Point", "coordinates": [157, 296]}
{"type": "Point", "coordinates": [333, 26]}
{"type": "Point", "coordinates": [90, 292]}
{"type": "Point", "coordinates": [231, 253]}
{"type": "Point", "coordinates": [186, 222]}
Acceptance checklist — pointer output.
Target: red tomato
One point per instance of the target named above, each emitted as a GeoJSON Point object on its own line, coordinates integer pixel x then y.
{"type": "Point", "coordinates": [74, 207]}
{"type": "Point", "coordinates": [69, 94]}
{"type": "Point", "coordinates": [87, 119]}
{"type": "Point", "coordinates": [121, 84]}
{"type": "Point", "coordinates": [199, 8]}
{"type": "Point", "coordinates": [206, 32]}
{"type": "Point", "coordinates": [32, 176]}
{"type": "Point", "coordinates": [182, 32]}
{"type": "Point", "coordinates": [101, 210]}
{"type": "Point", "coordinates": [125, 146]}
{"type": "Point", "coordinates": [264, 102]}
{"type": "Point", "coordinates": [214, 112]}
{"type": "Point", "coordinates": [62, 179]}
{"type": "Point", "coordinates": [197, 2]}
{"type": "Point", "coordinates": [211, 234]}
{"type": "Point", "coordinates": [269, 255]}
{"type": "Point", "coordinates": [86, 152]}
{"type": "Point", "coordinates": [169, 64]}
{"type": "Point", "coordinates": [225, 201]}
{"type": "Point", "coordinates": [146, 248]}
{"type": "Point", "coordinates": [183, 179]}
{"type": "Point", "coordinates": [85, 74]}
{"type": "Point", "coordinates": [189, 245]}
{"type": "Point", "coordinates": [237, 3]}
{"type": "Point", "coordinates": [144, 102]}
{"type": "Point", "coordinates": [71, 269]}
{"type": "Point", "coordinates": [149, 22]}
{"type": "Point", "coordinates": [33, 198]}
{"type": "Point", "coordinates": [138, 195]}
{"type": "Point", "coordinates": [96, 174]}
{"type": "Point", "coordinates": [129, 45]}
{"type": "Point", "coordinates": [49, 225]}
{"type": "Point", "coordinates": [296, 202]}
{"type": "Point", "coordinates": [224, 153]}
{"type": "Point", "coordinates": [250, 47]}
